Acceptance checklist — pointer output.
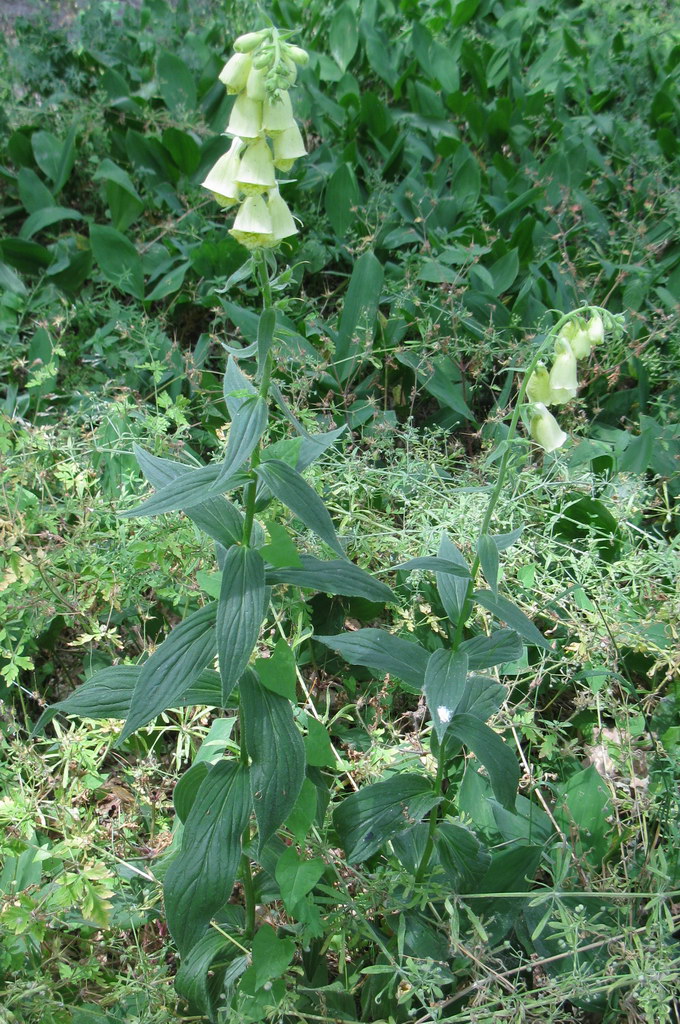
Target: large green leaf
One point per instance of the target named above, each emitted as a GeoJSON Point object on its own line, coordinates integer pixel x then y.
{"type": "Point", "coordinates": [191, 489]}
{"type": "Point", "coordinates": [377, 649]}
{"type": "Point", "coordinates": [173, 667]}
{"type": "Point", "coordinates": [359, 314]}
{"type": "Point", "coordinates": [118, 260]}
{"type": "Point", "coordinates": [297, 876]}
{"type": "Point", "coordinates": [496, 756]}
{"type": "Point", "coordinates": [487, 651]}
{"type": "Point", "coordinates": [343, 36]}
{"type": "Point", "coordinates": [452, 591]}
{"type": "Point", "coordinates": [445, 679]}
{"type": "Point", "coordinates": [217, 517]}
{"type": "Point", "coordinates": [199, 881]}
{"type": "Point", "coordinates": [55, 157]}
{"type": "Point", "coordinates": [335, 577]}
{"type": "Point", "coordinates": [108, 693]}
{"type": "Point", "coordinates": [368, 818]}
{"type": "Point", "coordinates": [504, 609]}
{"type": "Point", "coordinates": [277, 753]}
{"type": "Point", "coordinates": [287, 485]}
{"type": "Point", "coordinates": [245, 432]}
{"type": "Point", "coordinates": [239, 613]}
{"type": "Point", "coordinates": [201, 972]}
{"type": "Point", "coordinates": [176, 83]}
{"type": "Point", "coordinates": [463, 858]}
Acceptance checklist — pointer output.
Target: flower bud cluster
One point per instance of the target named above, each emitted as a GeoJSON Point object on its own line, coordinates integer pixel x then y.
{"type": "Point", "coordinates": [266, 137]}
{"type": "Point", "coordinates": [559, 385]}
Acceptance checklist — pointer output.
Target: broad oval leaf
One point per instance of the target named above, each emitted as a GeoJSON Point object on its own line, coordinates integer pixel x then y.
{"type": "Point", "coordinates": [368, 818]}
{"type": "Point", "coordinates": [376, 649]}
{"type": "Point", "coordinates": [240, 612]}
{"type": "Point", "coordinates": [118, 259]}
{"type": "Point", "coordinates": [277, 752]}
{"type": "Point", "coordinates": [200, 879]}
{"type": "Point", "coordinates": [173, 667]}
{"type": "Point", "coordinates": [445, 679]}
{"type": "Point", "coordinates": [338, 576]}
{"type": "Point", "coordinates": [287, 485]}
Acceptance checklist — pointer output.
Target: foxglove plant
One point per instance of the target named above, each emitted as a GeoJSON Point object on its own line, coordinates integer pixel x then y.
{"type": "Point", "coordinates": [233, 802]}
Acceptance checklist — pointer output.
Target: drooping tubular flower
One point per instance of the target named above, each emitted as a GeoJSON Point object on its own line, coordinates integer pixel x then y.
{"type": "Point", "coordinates": [266, 137]}
{"type": "Point", "coordinates": [545, 429]}
{"type": "Point", "coordinates": [563, 381]}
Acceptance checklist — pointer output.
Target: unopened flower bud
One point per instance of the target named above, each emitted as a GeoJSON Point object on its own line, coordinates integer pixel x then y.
{"type": "Point", "coordinates": [248, 42]}
{"type": "Point", "coordinates": [545, 429]}
{"type": "Point", "coordinates": [596, 330]}
{"type": "Point", "coordinates": [296, 53]}
{"type": "Point", "coordinates": [563, 382]}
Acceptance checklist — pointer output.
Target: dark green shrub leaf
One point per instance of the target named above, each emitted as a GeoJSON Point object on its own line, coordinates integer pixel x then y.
{"type": "Point", "coordinates": [118, 260]}
{"type": "Point", "coordinates": [185, 791]}
{"type": "Point", "coordinates": [488, 651]}
{"type": "Point", "coordinates": [271, 955]}
{"type": "Point", "coordinates": [239, 613]}
{"type": "Point", "coordinates": [487, 746]}
{"type": "Point", "coordinates": [461, 855]}
{"type": "Point", "coordinates": [335, 577]}
{"type": "Point", "coordinates": [173, 667]}
{"type": "Point", "coordinates": [277, 672]}
{"type": "Point", "coordinates": [176, 83]}
{"type": "Point", "coordinates": [296, 876]}
{"type": "Point", "coordinates": [277, 752]}
{"type": "Point", "coordinates": [381, 651]}
{"type": "Point", "coordinates": [343, 36]}
{"type": "Point", "coordinates": [504, 609]}
{"type": "Point", "coordinates": [445, 679]}
{"type": "Point", "coordinates": [199, 978]}
{"type": "Point", "coordinates": [200, 879]}
{"type": "Point", "coordinates": [368, 818]}
{"type": "Point", "coordinates": [287, 485]}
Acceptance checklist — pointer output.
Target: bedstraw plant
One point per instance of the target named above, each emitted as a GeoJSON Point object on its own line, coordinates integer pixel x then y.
{"type": "Point", "coordinates": [247, 807]}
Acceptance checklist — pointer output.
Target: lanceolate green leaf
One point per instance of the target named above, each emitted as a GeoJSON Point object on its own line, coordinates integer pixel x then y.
{"type": "Point", "coordinates": [376, 649]}
{"type": "Point", "coordinates": [239, 614]}
{"type": "Point", "coordinates": [452, 590]}
{"type": "Point", "coordinates": [237, 387]}
{"type": "Point", "coordinates": [245, 432]}
{"type": "Point", "coordinates": [335, 577]}
{"type": "Point", "coordinates": [201, 878]}
{"type": "Point", "coordinates": [496, 756]}
{"type": "Point", "coordinates": [504, 609]}
{"type": "Point", "coordinates": [432, 564]}
{"type": "Point", "coordinates": [173, 667]}
{"type": "Point", "coordinates": [368, 818]}
{"type": "Point", "coordinates": [359, 312]}
{"type": "Point", "coordinates": [287, 485]}
{"type": "Point", "coordinates": [277, 753]}
{"type": "Point", "coordinates": [217, 517]}
{"type": "Point", "coordinates": [198, 980]}
{"type": "Point", "coordinates": [445, 679]}
{"type": "Point", "coordinates": [108, 693]}
{"type": "Point", "coordinates": [186, 492]}
{"type": "Point", "coordinates": [487, 651]}
{"type": "Point", "coordinates": [488, 559]}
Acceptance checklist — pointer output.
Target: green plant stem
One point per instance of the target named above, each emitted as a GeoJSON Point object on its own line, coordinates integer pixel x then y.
{"type": "Point", "coordinates": [248, 890]}
{"type": "Point", "coordinates": [266, 371]}
{"type": "Point", "coordinates": [488, 515]}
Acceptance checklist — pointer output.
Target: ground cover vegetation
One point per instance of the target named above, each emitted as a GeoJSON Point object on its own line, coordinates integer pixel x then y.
{"type": "Point", "coordinates": [392, 734]}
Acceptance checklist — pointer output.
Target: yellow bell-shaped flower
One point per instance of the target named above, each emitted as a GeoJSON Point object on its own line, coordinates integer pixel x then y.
{"type": "Point", "coordinates": [288, 146]}
{"type": "Point", "coordinates": [278, 114]}
{"type": "Point", "coordinates": [545, 429]}
{"type": "Point", "coordinates": [256, 168]}
{"type": "Point", "coordinates": [283, 225]}
{"type": "Point", "coordinates": [538, 387]}
{"type": "Point", "coordinates": [595, 330]}
{"type": "Point", "coordinates": [246, 118]}
{"type": "Point", "coordinates": [221, 180]}
{"type": "Point", "coordinates": [235, 72]}
{"type": "Point", "coordinates": [253, 225]}
{"type": "Point", "coordinates": [563, 382]}
{"type": "Point", "coordinates": [578, 339]}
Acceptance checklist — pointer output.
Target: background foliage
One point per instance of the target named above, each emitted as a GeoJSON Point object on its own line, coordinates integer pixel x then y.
{"type": "Point", "coordinates": [473, 166]}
